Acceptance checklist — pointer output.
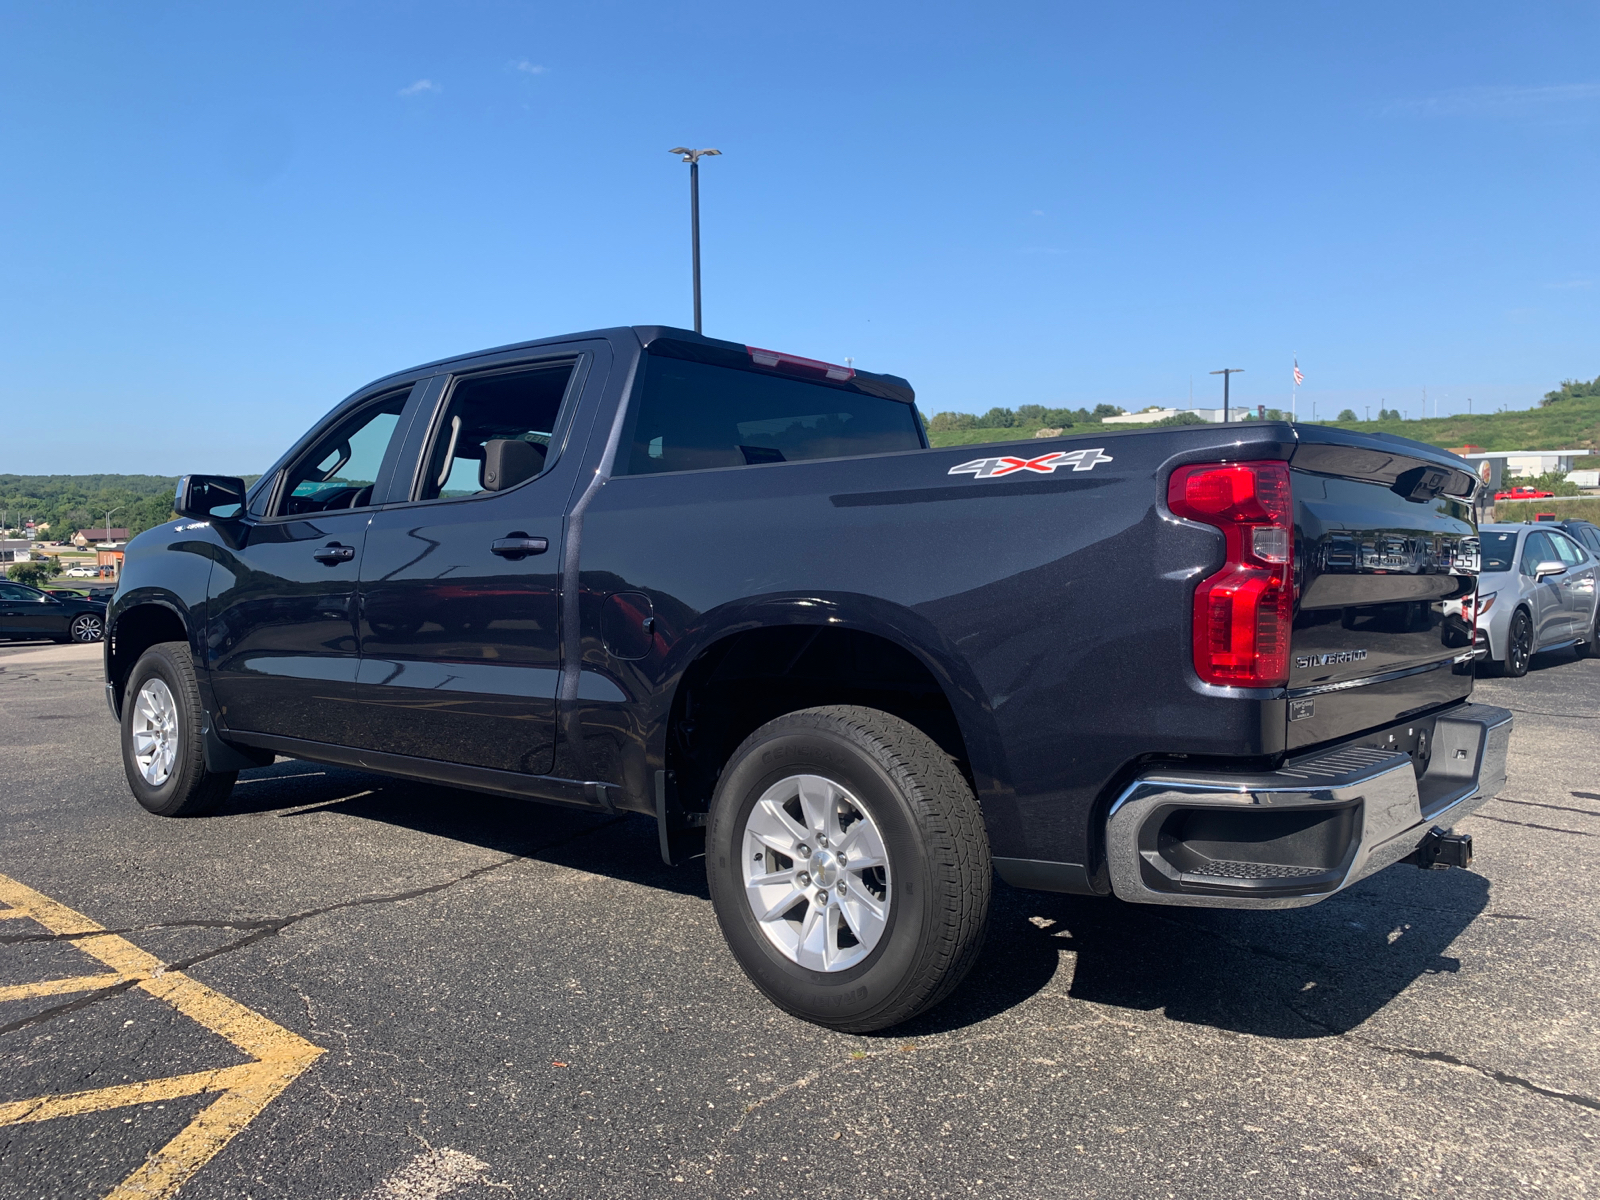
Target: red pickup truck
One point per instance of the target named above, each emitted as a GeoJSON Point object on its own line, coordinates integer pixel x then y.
{"type": "Point", "coordinates": [1523, 493]}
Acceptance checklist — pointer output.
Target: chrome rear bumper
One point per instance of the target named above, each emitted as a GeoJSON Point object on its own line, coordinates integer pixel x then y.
{"type": "Point", "coordinates": [1291, 837]}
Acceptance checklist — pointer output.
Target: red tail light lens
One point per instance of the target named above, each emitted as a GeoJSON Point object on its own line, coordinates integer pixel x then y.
{"type": "Point", "coordinates": [1243, 613]}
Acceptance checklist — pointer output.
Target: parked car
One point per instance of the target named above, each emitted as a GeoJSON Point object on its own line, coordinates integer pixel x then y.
{"type": "Point", "coordinates": [28, 612]}
{"type": "Point", "coordinates": [1536, 592]}
{"type": "Point", "coordinates": [81, 573]}
{"type": "Point", "coordinates": [1585, 533]}
{"type": "Point", "coordinates": [1523, 493]}
{"type": "Point", "coordinates": [643, 571]}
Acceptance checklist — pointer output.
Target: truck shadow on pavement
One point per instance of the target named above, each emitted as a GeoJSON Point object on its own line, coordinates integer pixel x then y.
{"type": "Point", "coordinates": [1294, 973]}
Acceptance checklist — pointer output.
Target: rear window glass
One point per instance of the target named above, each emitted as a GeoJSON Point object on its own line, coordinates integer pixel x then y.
{"type": "Point", "coordinates": [1498, 550]}
{"type": "Point", "coordinates": [693, 416]}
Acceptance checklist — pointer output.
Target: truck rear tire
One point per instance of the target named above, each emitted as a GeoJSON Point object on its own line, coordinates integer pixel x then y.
{"type": "Point", "coordinates": [849, 867]}
{"type": "Point", "coordinates": [162, 752]}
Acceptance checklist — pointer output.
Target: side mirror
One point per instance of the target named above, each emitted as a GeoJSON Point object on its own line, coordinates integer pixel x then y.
{"type": "Point", "coordinates": [1552, 567]}
{"type": "Point", "coordinates": [209, 497]}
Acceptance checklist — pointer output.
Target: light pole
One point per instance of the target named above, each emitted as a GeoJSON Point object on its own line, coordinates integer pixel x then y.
{"type": "Point", "coordinates": [1226, 373]}
{"type": "Point", "coordinates": [693, 157]}
{"type": "Point", "coordinates": [1369, 411]}
{"type": "Point", "coordinates": [109, 511]}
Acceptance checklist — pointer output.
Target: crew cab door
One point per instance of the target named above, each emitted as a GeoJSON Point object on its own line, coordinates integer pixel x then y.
{"type": "Point", "coordinates": [281, 626]}
{"type": "Point", "coordinates": [460, 582]}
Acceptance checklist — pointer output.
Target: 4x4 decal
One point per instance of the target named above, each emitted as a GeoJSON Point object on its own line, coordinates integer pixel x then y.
{"type": "Point", "coordinates": [991, 468]}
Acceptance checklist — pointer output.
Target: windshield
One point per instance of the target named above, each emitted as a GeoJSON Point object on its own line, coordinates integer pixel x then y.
{"type": "Point", "coordinates": [1499, 550]}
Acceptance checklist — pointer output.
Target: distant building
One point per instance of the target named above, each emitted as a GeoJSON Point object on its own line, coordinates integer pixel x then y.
{"type": "Point", "coordinates": [14, 550]}
{"type": "Point", "coordinates": [1497, 466]}
{"type": "Point", "coordinates": [86, 537]}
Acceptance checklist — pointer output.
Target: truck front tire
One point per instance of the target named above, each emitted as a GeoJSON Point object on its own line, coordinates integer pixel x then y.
{"type": "Point", "coordinates": [162, 752]}
{"type": "Point", "coordinates": [849, 867]}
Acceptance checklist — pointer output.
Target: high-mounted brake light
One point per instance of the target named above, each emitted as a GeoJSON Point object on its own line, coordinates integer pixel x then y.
{"type": "Point", "coordinates": [1243, 613]}
{"type": "Point", "coordinates": [776, 361]}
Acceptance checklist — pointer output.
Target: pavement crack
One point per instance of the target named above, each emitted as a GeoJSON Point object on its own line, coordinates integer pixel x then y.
{"type": "Point", "coordinates": [1452, 1060]}
{"type": "Point", "coordinates": [269, 927]}
{"type": "Point", "coordinates": [1531, 825]}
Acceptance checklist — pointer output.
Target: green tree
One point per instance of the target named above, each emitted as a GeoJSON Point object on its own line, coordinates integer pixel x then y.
{"type": "Point", "coordinates": [945, 421]}
{"type": "Point", "coordinates": [1571, 389]}
{"type": "Point", "coordinates": [997, 418]}
{"type": "Point", "coordinates": [1106, 410]}
{"type": "Point", "coordinates": [34, 573]}
{"type": "Point", "coordinates": [1347, 414]}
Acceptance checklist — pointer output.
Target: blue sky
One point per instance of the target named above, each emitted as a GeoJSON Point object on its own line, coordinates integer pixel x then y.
{"type": "Point", "coordinates": [217, 220]}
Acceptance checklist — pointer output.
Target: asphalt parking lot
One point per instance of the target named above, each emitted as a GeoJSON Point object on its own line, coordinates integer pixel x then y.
{"type": "Point", "coordinates": [348, 986]}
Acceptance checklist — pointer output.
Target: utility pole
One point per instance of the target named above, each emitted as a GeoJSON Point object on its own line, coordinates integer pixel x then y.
{"type": "Point", "coordinates": [693, 157]}
{"type": "Point", "coordinates": [1368, 407]}
{"type": "Point", "coordinates": [108, 520]}
{"type": "Point", "coordinates": [1227, 373]}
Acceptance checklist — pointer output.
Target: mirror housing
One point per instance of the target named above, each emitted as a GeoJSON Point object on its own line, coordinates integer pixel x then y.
{"type": "Point", "coordinates": [200, 496]}
{"type": "Point", "coordinates": [1549, 567]}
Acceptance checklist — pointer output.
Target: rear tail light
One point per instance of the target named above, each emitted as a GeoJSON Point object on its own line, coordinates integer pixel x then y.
{"type": "Point", "coordinates": [1243, 613]}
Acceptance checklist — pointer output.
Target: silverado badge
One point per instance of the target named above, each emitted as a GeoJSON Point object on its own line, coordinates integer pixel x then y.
{"type": "Point", "coordinates": [992, 468]}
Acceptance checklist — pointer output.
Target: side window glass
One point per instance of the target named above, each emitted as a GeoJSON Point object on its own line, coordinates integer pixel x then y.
{"type": "Point", "coordinates": [339, 471]}
{"type": "Point", "coordinates": [1592, 537]}
{"type": "Point", "coordinates": [10, 591]}
{"type": "Point", "coordinates": [1535, 550]}
{"type": "Point", "coordinates": [693, 416]}
{"type": "Point", "coordinates": [1570, 554]}
{"type": "Point", "coordinates": [495, 431]}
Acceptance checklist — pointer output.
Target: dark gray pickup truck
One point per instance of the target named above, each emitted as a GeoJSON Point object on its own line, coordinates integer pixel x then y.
{"type": "Point", "coordinates": [734, 590]}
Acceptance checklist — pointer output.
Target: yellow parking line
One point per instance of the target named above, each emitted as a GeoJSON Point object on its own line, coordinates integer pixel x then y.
{"type": "Point", "coordinates": [60, 987]}
{"type": "Point", "coordinates": [279, 1055]}
{"type": "Point", "coordinates": [146, 1091]}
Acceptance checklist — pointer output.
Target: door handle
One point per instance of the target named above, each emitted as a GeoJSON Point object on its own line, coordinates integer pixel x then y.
{"type": "Point", "coordinates": [519, 545]}
{"type": "Point", "coordinates": [333, 552]}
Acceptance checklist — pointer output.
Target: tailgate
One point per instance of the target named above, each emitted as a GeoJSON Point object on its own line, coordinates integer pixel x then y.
{"type": "Point", "coordinates": [1385, 550]}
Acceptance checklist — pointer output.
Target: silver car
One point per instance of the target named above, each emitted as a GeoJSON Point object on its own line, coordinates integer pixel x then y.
{"type": "Point", "coordinates": [1536, 592]}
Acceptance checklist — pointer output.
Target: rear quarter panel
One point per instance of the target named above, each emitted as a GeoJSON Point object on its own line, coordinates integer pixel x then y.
{"type": "Point", "coordinates": [1053, 608]}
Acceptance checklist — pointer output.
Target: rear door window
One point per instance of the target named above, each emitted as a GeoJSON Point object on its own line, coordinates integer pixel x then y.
{"type": "Point", "coordinates": [1566, 549]}
{"type": "Point", "coordinates": [497, 431]}
{"type": "Point", "coordinates": [692, 416]}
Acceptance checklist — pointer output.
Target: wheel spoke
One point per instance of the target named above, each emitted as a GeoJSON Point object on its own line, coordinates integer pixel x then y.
{"type": "Point", "coordinates": [817, 804]}
{"type": "Point", "coordinates": [774, 911]}
{"type": "Point", "coordinates": [772, 879]}
{"type": "Point", "coordinates": [770, 825]}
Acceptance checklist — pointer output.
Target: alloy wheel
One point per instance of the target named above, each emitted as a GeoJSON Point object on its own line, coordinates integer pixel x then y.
{"type": "Point", "coordinates": [87, 628]}
{"type": "Point", "coordinates": [155, 731]}
{"type": "Point", "coordinates": [816, 874]}
{"type": "Point", "coordinates": [1521, 648]}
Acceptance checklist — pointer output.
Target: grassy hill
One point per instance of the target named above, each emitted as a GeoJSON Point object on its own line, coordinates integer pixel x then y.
{"type": "Point", "coordinates": [1570, 423]}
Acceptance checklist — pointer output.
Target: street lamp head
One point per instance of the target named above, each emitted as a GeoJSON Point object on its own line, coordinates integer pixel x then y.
{"type": "Point", "coordinates": [692, 156]}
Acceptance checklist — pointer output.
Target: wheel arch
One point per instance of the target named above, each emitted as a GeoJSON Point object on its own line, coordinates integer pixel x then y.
{"type": "Point", "coordinates": [138, 623]}
{"type": "Point", "coordinates": [762, 658]}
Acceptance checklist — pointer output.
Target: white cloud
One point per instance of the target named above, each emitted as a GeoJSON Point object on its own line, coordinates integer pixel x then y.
{"type": "Point", "coordinates": [420, 86]}
{"type": "Point", "coordinates": [1497, 101]}
{"type": "Point", "coordinates": [528, 68]}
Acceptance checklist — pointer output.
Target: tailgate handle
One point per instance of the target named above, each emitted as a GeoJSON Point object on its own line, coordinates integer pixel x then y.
{"type": "Point", "coordinates": [519, 545]}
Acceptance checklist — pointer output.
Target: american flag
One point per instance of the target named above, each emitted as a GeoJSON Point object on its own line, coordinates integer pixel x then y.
{"type": "Point", "coordinates": [1298, 378]}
